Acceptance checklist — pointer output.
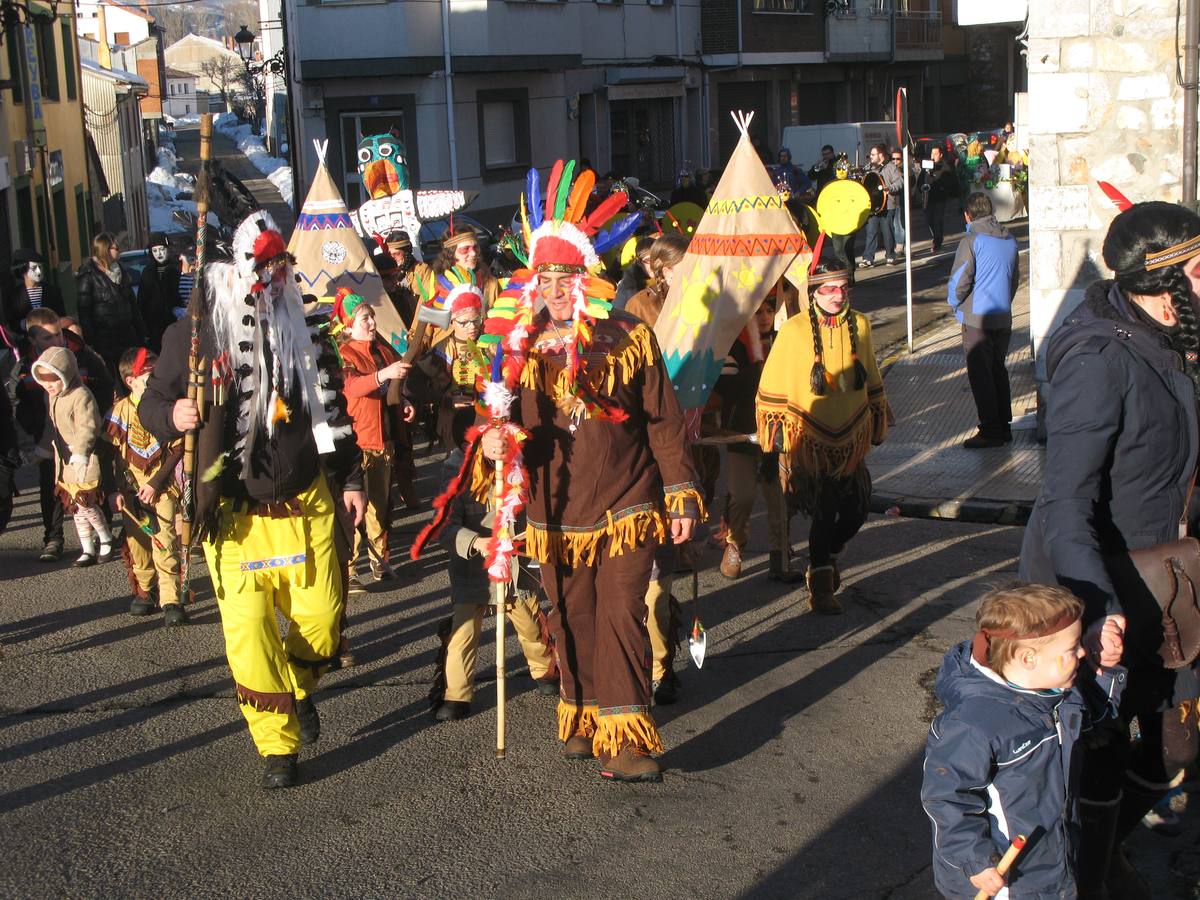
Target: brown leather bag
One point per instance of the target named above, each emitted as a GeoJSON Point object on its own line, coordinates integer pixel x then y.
{"type": "Point", "coordinates": [1158, 587]}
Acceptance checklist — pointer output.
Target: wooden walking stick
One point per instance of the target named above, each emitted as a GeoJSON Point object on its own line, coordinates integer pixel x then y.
{"type": "Point", "coordinates": [499, 593]}
{"type": "Point", "coordinates": [1006, 861]}
{"type": "Point", "coordinates": [195, 381]}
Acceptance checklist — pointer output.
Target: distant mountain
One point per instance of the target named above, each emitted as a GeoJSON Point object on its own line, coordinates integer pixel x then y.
{"type": "Point", "coordinates": [215, 19]}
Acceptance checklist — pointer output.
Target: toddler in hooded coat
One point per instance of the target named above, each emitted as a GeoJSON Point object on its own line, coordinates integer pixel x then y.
{"type": "Point", "coordinates": [75, 428]}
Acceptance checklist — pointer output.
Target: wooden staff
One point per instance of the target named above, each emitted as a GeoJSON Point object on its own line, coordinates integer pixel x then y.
{"type": "Point", "coordinates": [499, 594]}
{"type": "Point", "coordinates": [1006, 861]}
{"type": "Point", "coordinates": [195, 381]}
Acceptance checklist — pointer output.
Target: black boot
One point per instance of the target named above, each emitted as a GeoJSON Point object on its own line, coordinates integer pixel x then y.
{"type": "Point", "coordinates": [280, 772]}
{"type": "Point", "coordinates": [1098, 824]}
{"type": "Point", "coordinates": [775, 570]}
{"type": "Point", "coordinates": [1137, 799]}
{"type": "Point", "coordinates": [452, 710]}
{"type": "Point", "coordinates": [310, 722]}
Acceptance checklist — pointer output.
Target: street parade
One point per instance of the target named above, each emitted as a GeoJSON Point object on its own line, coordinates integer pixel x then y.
{"type": "Point", "coordinates": [674, 548]}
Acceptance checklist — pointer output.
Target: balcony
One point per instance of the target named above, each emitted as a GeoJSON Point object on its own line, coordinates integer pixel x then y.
{"type": "Point", "coordinates": [858, 30]}
{"type": "Point", "coordinates": [919, 35]}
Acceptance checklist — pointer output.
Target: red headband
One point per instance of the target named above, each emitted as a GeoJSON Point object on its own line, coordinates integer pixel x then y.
{"type": "Point", "coordinates": [982, 642]}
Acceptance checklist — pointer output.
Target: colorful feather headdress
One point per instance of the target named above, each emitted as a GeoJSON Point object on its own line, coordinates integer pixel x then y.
{"type": "Point", "coordinates": [457, 290]}
{"type": "Point", "coordinates": [561, 237]}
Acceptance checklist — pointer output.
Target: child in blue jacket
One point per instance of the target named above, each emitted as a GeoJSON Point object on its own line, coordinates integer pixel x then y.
{"type": "Point", "coordinates": [1000, 759]}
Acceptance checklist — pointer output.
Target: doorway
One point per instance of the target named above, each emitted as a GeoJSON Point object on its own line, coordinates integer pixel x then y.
{"type": "Point", "coordinates": [643, 140]}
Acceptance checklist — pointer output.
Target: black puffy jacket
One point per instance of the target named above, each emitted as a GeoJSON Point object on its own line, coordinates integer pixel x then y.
{"type": "Point", "coordinates": [1122, 445]}
{"type": "Point", "coordinates": [108, 312]}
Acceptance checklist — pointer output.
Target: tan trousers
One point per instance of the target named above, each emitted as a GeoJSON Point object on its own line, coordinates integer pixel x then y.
{"type": "Point", "coordinates": [377, 483]}
{"type": "Point", "coordinates": [742, 483]}
{"type": "Point", "coordinates": [148, 562]}
{"type": "Point", "coordinates": [658, 623]}
{"type": "Point", "coordinates": [464, 642]}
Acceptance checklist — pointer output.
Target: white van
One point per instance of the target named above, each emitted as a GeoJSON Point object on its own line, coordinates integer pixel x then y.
{"type": "Point", "coordinates": [855, 139]}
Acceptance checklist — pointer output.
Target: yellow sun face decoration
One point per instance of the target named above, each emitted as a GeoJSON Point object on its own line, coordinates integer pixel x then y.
{"type": "Point", "coordinates": [699, 291]}
{"type": "Point", "coordinates": [747, 277]}
{"type": "Point", "coordinates": [843, 207]}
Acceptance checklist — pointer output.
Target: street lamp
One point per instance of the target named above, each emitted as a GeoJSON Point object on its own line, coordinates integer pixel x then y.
{"type": "Point", "coordinates": [275, 65]}
{"type": "Point", "coordinates": [245, 44]}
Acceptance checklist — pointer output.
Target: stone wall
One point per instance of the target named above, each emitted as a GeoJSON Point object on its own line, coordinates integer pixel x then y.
{"type": "Point", "coordinates": [1104, 105]}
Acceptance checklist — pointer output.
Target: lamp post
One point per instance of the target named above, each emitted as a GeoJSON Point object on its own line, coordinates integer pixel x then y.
{"type": "Point", "coordinates": [245, 44]}
{"type": "Point", "coordinates": [276, 65]}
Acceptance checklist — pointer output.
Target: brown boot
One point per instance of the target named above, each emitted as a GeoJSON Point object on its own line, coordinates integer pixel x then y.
{"type": "Point", "coordinates": [631, 764]}
{"type": "Point", "coordinates": [731, 562]}
{"type": "Point", "coordinates": [821, 590]}
{"type": "Point", "coordinates": [578, 746]}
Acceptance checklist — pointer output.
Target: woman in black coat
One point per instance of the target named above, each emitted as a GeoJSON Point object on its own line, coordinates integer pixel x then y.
{"type": "Point", "coordinates": [108, 310]}
{"type": "Point", "coordinates": [1122, 447]}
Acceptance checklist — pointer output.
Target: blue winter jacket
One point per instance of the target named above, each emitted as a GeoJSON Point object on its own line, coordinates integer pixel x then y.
{"type": "Point", "coordinates": [985, 274]}
{"type": "Point", "coordinates": [1000, 761]}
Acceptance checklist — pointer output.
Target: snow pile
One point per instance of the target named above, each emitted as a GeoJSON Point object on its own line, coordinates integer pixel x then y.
{"type": "Point", "coordinates": [277, 170]}
{"type": "Point", "coordinates": [163, 187]}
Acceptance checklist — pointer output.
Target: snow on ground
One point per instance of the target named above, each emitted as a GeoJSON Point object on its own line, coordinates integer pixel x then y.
{"type": "Point", "coordinates": [277, 170]}
{"type": "Point", "coordinates": [163, 187]}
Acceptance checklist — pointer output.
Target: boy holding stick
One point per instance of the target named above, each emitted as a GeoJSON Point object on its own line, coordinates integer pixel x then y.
{"type": "Point", "coordinates": [1000, 759]}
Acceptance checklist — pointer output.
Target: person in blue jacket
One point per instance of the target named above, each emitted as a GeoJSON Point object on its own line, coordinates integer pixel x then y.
{"type": "Point", "coordinates": [983, 282]}
{"type": "Point", "coordinates": [1001, 759]}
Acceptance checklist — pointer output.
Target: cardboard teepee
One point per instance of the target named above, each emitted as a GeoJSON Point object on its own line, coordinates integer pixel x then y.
{"type": "Point", "coordinates": [746, 241]}
{"type": "Point", "coordinates": [330, 254]}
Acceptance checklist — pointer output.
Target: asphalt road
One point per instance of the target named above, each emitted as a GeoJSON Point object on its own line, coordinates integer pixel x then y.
{"type": "Point", "coordinates": [792, 766]}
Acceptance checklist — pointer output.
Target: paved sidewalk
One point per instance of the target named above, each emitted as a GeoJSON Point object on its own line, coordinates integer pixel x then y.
{"type": "Point", "coordinates": [922, 470]}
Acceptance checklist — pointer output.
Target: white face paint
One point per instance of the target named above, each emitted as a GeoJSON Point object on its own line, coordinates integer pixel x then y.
{"type": "Point", "coordinates": [35, 273]}
{"type": "Point", "coordinates": [159, 253]}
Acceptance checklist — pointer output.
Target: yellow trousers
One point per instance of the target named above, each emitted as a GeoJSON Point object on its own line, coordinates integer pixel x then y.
{"type": "Point", "coordinates": [377, 484]}
{"type": "Point", "coordinates": [150, 563]}
{"type": "Point", "coordinates": [463, 643]}
{"type": "Point", "coordinates": [261, 564]}
{"type": "Point", "coordinates": [658, 623]}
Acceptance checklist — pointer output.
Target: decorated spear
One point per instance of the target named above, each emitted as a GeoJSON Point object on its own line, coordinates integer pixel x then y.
{"type": "Point", "coordinates": [195, 381]}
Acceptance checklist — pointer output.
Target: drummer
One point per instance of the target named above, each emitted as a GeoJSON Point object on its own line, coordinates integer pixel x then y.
{"type": "Point", "coordinates": [878, 226]}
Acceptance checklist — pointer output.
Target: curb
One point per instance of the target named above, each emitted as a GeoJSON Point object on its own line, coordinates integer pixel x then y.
{"type": "Point", "coordinates": [974, 510]}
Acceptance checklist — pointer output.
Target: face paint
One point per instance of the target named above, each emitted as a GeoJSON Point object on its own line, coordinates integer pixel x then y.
{"type": "Point", "coordinates": [159, 253]}
{"type": "Point", "coordinates": [36, 275]}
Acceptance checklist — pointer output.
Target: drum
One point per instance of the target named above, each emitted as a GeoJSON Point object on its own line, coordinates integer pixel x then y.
{"type": "Point", "coordinates": [877, 191]}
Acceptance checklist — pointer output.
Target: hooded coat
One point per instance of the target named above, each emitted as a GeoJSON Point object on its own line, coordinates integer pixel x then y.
{"type": "Point", "coordinates": [985, 275]}
{"type": "Point", "coordinates": [75, 417]}
{"type": "Point", "coordinates": [1000, 761]}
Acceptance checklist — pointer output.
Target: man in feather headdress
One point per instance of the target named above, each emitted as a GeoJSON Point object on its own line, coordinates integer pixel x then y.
{"type": "Point", "coordinates": [609, 473]}
{"type": "Point", "coordinates": [276, 458]}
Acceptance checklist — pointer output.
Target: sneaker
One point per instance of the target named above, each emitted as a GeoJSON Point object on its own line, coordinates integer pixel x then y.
{"type": "Point", "coordinates": [731, 562]}
{"type": "Point", "coordinates": [355, 587]}
{"type": "Point", "coordinates": [381, 571]}
{"type": "Point", "coordinates": [578, 746]}
{"type": "Point", "coordinates": [310, 722]}
{"type": "Point", "coordinates": [452, 711]}
{"type": "Point", "coordinates": [981, 441]}
{"type": "Point", "coordinates": [890, 261]}
{"type": "Point", "coordinates": [345, 655]}
{"type": "Point", "coordinates": [279, 772]}
{"type": "Point", "coordinates": [106, 553]}
{"type": "Point", "coordinates": [174, 614]}
{"type": "Point", "coordinates": [632, 764]}
{"type": "Point", "coordinates": [865, 263]}
{"type": "Point", "coordinates": [86, 560]}
{"type": "Point", "coordinates": [142, 606]}
{"type": "Point", "coordinates": [51, 552]}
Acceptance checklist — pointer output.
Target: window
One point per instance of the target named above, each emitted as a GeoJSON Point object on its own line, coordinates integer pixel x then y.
{"type": "Point", "coordinates": [187, 109]}
{"type": "Point", "coordinates": [16, 71]}
{"type": "Point", "coordinates": [47, 59]}
{"type": "Point", "coordinates": [781, 6]}
{"type": "Point", "coordinates": [121, 38]}
{"type": "Point", "coordinates": [503, 132]}
{"type": "Point", "coordinates": [354, 127]}
{"type": "Point", "coordinates": [68, 45]}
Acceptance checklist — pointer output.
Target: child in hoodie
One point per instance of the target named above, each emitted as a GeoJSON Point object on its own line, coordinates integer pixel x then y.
{"type": "Point", "coordinates": [1000, 758]}
{"type": "Point", "coordinates": [75, 423]}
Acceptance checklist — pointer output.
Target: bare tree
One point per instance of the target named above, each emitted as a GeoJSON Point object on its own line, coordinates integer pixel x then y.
{"type": "Point", "coordinates": [225, 75]}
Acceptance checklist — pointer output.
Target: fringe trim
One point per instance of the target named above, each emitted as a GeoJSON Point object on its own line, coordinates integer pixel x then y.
{"type": "Point", "coordinates": [626, 729]}
{"type": "Point", "coordinates": [807, 452]}
{"type": "Point", "coordinates": [617, 368]}
{"type": "Point", "coordinates": [879, 420]}
{"type": "Point", "coordinates": [677, 502]}
{"type": "Point", "coordinates": [127, 559]}
{"type": "Point", "coordinates": [264, 702]}
{"type": "Point", "coordinates": [574, 720]}
{"type": "Point", "coordinates": [546, 636]}
{"type": "Point", "coordinates": [576, 548]}
{"type": "Point", "coordinates": [72, 500]}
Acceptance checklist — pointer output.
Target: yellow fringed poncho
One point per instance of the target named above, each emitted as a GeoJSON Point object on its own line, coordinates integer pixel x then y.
{"type": "Point", "coordinates": [825, 436]}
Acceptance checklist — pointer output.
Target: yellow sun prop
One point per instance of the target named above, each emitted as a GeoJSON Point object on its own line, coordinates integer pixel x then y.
{"type": "Point", "coordinates": [699, 291]}
{"type": "Point", "coordinates": [748, 278]}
